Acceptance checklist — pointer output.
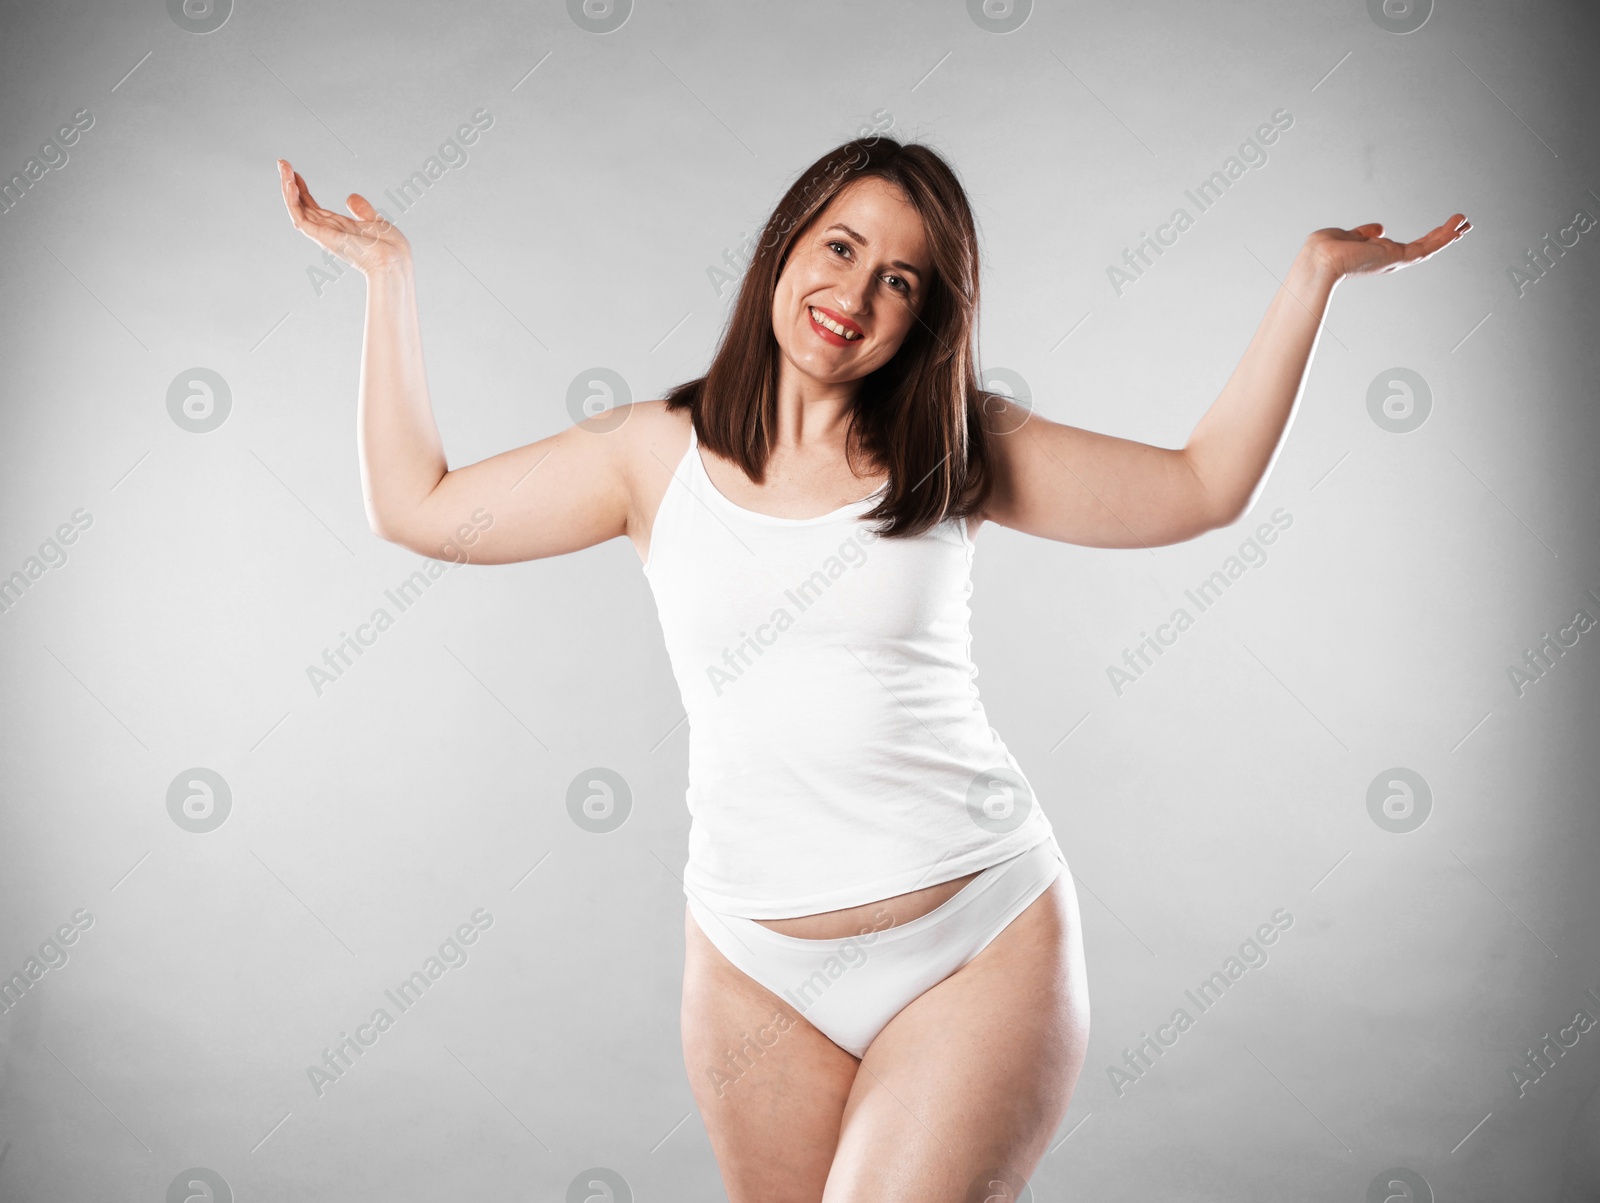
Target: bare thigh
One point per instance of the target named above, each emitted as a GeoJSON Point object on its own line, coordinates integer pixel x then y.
{"type": "Point", "coordinates": [770, 1087]}
{"type": "Point", "coordinates": [965, 1087]}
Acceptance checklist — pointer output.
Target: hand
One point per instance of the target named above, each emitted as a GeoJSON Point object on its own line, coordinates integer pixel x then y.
{"type": "Point", "coordinates": [367, 243]}
{"type": "Point", "coordinates": [1364, 250]}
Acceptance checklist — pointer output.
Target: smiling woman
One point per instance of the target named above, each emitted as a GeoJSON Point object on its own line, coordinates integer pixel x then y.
{"type": "Point", "coordinates": [879, 299]}
{"type": "Point", "coordinates": [851, 784]}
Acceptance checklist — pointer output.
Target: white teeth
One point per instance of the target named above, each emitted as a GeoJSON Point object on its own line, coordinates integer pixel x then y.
{"type": "Point", "coordinates": [828, 324]}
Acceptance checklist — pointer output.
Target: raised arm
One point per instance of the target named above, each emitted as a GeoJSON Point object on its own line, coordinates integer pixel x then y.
{"type": "Point", "coordinates": [1077, 486]}
{"type": "Point", "coordinates": [557, 495]}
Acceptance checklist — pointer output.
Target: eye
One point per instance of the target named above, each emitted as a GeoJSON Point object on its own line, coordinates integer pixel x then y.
{"type": "Point", "coordinates": [899, 281]}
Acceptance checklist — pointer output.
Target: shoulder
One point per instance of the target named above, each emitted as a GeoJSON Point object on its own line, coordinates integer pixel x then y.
{"type": "Point", "coordinates": [651, 441]}
{"type": "Point", "coordinates": [649, 428]}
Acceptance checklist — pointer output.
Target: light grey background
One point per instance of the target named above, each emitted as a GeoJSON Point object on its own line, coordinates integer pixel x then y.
{"type": "Point", "coordinates": [431, 779]}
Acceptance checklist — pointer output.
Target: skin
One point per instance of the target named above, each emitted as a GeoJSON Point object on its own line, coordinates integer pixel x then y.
{"type": "Point", "coordinates": [976, 1073]}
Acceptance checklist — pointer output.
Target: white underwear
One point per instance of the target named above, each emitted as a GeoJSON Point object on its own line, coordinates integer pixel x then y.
{"type": "Point", "coordinates": [850, 988]}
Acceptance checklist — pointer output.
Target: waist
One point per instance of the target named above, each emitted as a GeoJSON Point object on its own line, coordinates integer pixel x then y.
{"type": "Point", "coordinates": [869, 916]}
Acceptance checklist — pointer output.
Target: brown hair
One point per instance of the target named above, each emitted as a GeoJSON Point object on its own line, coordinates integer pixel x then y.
{"type": "Point", "coordinates": [916, 414]}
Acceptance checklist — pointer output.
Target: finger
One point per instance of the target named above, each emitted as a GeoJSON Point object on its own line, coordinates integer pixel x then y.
{"type": "Point", "coordinates": [360, 206]}
{"type": "Point", "coordinates": [1371, 230]}
{"type": "Point", "coordinates": [305, 194]}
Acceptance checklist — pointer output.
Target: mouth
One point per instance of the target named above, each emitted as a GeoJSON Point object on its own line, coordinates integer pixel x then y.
{"type": "Point", "coordinates": [834, 328]}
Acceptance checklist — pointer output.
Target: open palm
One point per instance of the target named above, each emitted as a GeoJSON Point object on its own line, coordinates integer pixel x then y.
{"type": "Point", "coordinates": [366, 241]}
{"type": "Point", "coordinates": [1364, 250]}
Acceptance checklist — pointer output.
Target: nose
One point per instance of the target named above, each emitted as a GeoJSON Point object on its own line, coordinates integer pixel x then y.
{"type": "Point", "coordinates": [848, 299]}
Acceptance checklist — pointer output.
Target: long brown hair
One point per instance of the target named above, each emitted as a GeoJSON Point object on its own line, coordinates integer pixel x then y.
{"type": "Point", "coordinates": [918, 414]}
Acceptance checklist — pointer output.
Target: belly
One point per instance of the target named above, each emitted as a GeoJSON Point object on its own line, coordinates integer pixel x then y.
{"type": "Point", "coordinates": [869, 916]}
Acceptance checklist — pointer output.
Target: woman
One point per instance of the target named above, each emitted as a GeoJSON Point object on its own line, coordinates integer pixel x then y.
{"type": "Point", "coordinates": [884, 991]}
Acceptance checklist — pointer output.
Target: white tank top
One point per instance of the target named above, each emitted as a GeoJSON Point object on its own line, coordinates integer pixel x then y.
{"type": "Point", "coordinates": [838, 752]}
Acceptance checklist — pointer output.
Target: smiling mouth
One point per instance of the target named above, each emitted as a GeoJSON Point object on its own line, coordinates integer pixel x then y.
{"type": "Point", "coordinates": [833, 327]}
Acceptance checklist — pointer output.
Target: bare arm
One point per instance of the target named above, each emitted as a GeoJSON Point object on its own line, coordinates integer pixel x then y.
{"type": "Point", "coordinates": [1077, 486]}
{"type": "Point", "coordinates": [550, 497]}
{"type": "Point", "coordinates": [557, 495]}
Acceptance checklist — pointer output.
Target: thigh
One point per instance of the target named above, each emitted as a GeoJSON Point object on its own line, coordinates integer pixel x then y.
{"type": "Point", "coordinates": [770, 1087]}
{"type": "Point", "coordinates": [966, 1086]}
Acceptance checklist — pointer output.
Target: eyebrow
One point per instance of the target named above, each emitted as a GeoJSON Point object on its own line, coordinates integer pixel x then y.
{"type": "Point", "coordinates": [900, 263]}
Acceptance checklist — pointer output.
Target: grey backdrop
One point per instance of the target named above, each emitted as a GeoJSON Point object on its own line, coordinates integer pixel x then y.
{"type": "Point", "coordinates": [153, 278]}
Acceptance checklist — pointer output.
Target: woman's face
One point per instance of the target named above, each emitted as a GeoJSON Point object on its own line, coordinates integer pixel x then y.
{"type": "Point", "coordinates": [862, 265]}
